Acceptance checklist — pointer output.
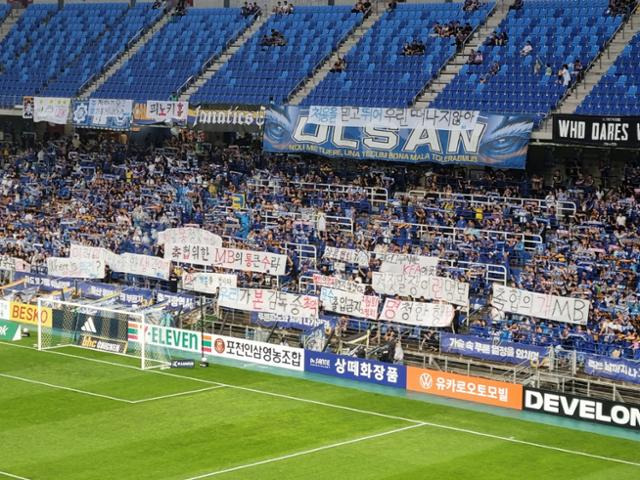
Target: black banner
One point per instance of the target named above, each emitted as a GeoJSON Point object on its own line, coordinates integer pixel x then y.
{"type": "Point", "coordinates": [102, 344]}
{"type": "Point", "coordinates": [598, 131]}
{"type": "Point", "coordinates": [582, 408]}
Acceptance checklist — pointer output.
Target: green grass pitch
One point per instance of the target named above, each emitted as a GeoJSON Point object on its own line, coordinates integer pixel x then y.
{"type": "Point", "coordinates": [79, 414]}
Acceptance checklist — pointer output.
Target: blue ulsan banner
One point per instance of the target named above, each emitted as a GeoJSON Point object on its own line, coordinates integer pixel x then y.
{"type": "Point", "coordinates": [614, 368]}
{"type": "Point", "coordinates": [487, 349]}
{"type": "Point", "coordinates": [285, 321]}
{"type": "Point", "coordinates": [353, 368]}
{"type": "Point", "coordinates": [112, 114]}
{"type": "Point", "coordinates": [487, 140]}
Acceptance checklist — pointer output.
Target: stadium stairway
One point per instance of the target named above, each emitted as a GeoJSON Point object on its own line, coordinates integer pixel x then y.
{"type": "Point", "coordinates": [9, 21]}
{"type": "Point", "coordinates": [342, 50]}
{"type": "Point", "coordinates": [594, 73]}
{"type": "Point", "coordinates": [452, 68]}
{"type": "Point", "coordinates": [94, 83]}
{"type": "Point", "coordinates": [224, 57]}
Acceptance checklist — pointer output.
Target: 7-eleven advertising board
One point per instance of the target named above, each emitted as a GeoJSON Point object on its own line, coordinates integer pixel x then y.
{"type": "Point", "coordinates": [169, 337]}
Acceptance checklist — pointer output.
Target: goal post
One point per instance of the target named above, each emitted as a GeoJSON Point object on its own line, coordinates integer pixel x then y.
{"type": "Point", "coordinates": [64, 324]}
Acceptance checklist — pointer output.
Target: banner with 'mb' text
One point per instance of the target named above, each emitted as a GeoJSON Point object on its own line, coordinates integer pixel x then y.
{"type": "Point", "coordinates": [482, 139]}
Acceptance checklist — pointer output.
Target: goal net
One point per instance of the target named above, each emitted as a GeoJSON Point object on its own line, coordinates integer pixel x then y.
{"type": "Point", "coordinates": [103, 329]}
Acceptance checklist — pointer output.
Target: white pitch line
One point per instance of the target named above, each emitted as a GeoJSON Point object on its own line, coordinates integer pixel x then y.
{"type": "Point", "coordinates": [60, 387]}
{"type": "Point", "coordinates": [7, 474]}
{"type": "Point", "coordinates": [304, 452]}
{"type": "Point", "coordinates": [179, 394]}
{"type": "Point", "coordinates": [341, 407]}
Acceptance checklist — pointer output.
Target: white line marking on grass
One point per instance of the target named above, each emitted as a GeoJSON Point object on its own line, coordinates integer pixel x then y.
{"type": "Point", "coordinates": [179, 394]}
{"type": "Point", "coordinates": [341, 407]}
{"type": "Point", "coordinates": [60, 387]}
{"type": "Point", "coordinates": [7, 474]}
{"type": "Point", "coordinates": [305, 452]}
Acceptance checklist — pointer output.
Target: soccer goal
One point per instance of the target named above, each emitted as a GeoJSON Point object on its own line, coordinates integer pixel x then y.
{"type": "Point", "coordinates": [64, 324]}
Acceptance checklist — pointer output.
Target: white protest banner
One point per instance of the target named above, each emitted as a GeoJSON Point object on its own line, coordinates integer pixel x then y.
{"type": "Point", "coordinates": [14, 264]}
{"type": "Point", "coordinates": [268, 301]}
{"type": "Point", "coordinates": [270, 354]}
{"type": "Point", "coordinates": [93, 253]}
{"type": "Point", "coordinates": [145, 265]}
{"type": "Point", "coordinates": [348, 303]}
{"type": "Point", "coordinates": [249, 261]}
{"type": "Point", "coordinates": [191, 252]}
{"type": "Point", "coordinates": [166, 111]}
{"type": "Point", "coordinates": [347, 255]}
{"type": "Point", "coordinates": [407, 264]}
{"type": "Point", "coordinates": [208, 282]}
{"type": "Point", "coordinates": [51, 109]}
{"type": "Point", "coordinates": [75, 267]}
{"type": "Point", "coordinates": [111, 113]}
{"type": "Point", "coordinates": [417, 313]}
{"type": "Point", "coordinates": [428, 287]}
{"type": "Point", "coordinates": [394, 118]}
{"type": "Point", "coordinates": [540, 305]}
{"type": "Point", "coordinates": [338, 283]}
{"type": "Point", "coordinates": [186, 235]}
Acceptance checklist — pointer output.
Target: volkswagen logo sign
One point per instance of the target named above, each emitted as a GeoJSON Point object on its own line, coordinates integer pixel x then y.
{"type": "Point", "coordinates": [426, 381]}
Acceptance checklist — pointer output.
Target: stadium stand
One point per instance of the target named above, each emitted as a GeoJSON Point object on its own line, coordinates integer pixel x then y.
{"type": "Point", "coordinates": [257, 75]}
{"type": "Point", "coordinates": [560, 32]}
{"type": "Point", "coordinates": [96, 55]}
{"type": "Point", "coordinates": [180, 50]}
{"type": "Point", "coordinates": [617, 91]}
{"type": "Point", "coordinates": [47, 39]}
{"type": "Point", "coordinates": [378, 74]}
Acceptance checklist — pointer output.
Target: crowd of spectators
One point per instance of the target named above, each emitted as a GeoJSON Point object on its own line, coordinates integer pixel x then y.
{"type": "Point", "coordinates": [249, 9]}
{"type": "Point", "coordinates": [621, 7]}
{"type": "Point", "coordinates": [274, 39]}
{"type": "Point", "coordinates": [283, 8]}
{"type": "Point", "coordinates": [105, 194]}
{"type": "Point", "coordinates": [362, 7]}
{"type": "Point", "coordinates": [416, 47]}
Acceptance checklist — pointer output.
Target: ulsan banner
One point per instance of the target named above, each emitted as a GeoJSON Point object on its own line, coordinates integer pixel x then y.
{"type": "Point", "coordinates": [268, 301]}
{"type": "Point", "coordinates": [417, 313]}
{"type": "Point", "coordinates": [349, 303]}
{"type": "Point", "coordinates": [540, 305]}
{"type": "Point", "coordinates": [484, 139]}
{"type": "Point", "coordinates": [114, 114]}
{"type": "Point", "coordinates": [427, 287]}
{"type": "Point", "coordinates": [75, 267]}
{"type": "Point", "coordinates": [51, 109]}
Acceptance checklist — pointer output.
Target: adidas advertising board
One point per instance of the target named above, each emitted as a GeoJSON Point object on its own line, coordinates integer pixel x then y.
{"type": "Point", "coordinates": [102, 344]}
{"type": "Point", "coordinates": [89, 326]}
{"type": "Point", "coordinates": [581, 408]}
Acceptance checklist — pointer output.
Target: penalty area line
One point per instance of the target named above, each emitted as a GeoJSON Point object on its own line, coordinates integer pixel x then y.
{"type": "Point", "coordinates": [179, 394]}
{"type": "Point", "coordinates": [304, 452]}
{"type": "Point", "coordinates": [11, 475]}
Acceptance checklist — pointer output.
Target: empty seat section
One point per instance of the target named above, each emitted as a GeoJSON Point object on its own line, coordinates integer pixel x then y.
{"type": "Point", "coordinates": [177, 52]}
{"type": "Point", "coordinates": [560, 31]}
{"type": "Point", "coordinates": [377, 74]}
{"type": "Point", "coordinates": [257, 75]}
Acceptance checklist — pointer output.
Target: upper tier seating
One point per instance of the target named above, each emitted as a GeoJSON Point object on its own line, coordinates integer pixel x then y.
{"type": "Point", "coordinates": [257, 75]}
{"type": "Point", "coordinates": [617, 91]}
{"type": "Point", "coordinates": [175, 53]}
{"type": "Point", "coordinates": [378, 75]}
{"type": "Point", "coordinates": [36, 50]}
{"type": "Point", "coordinates": [94, 57]}
{"type": "Point", "coordinates": [560, 31]}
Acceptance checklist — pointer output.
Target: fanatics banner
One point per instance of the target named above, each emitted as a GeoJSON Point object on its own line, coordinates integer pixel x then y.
{"type": "Point", "coordinates": [483, 139]}
{"type": "Point", "coordinates": [598, 131]}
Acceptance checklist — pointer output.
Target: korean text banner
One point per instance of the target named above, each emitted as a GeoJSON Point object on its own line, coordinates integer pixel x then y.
{"type": "Point", "coordinates": [353, 368]}
{"type": "Point", "coordinates": [494, 140]}
{"type": "Point", "coordinates": [51, 109]}
{"type": "Point", "coordinates": [540, 305]}
{"type": "Point", "coordinates": [614, 368]}
{"type": "Point", "coordinates": [472, 389]}
{"type": "Point", "coordinates": [427, 287]}
{"type": "Point", "coordinates": [286, 321]}
{"type": "Point", "coordinates": [205, 282]}
{"type": "Point", "coordinates": [485, 348]}
{"type": "Point", "coordinates": [114, 114]}
{"type": "Point", "coordinates": [349, 303]}
{"type": "Point", "coordinates": [75, 267]}
{"type": "Point", "coordinates": [417, 313]}
{"type": "Point", "coordinates": [168, 112]}
{"type": "Point", "coordinates": [268, 301]}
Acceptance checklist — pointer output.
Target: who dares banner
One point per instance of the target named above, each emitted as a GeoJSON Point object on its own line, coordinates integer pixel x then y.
{"type": "Point", "coordinates": [404, 135]}
{"type": "Point", "coordinates": [598, 131]}
{"type": "Point", "coordinates": [540, 305]}
{"type": "Point", "coordinates": [115, 114]}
